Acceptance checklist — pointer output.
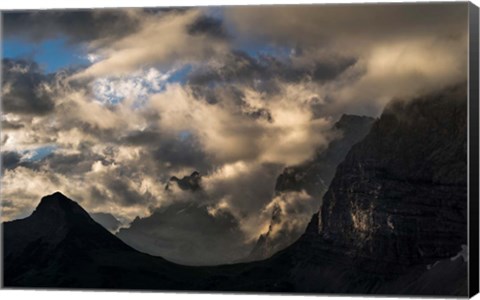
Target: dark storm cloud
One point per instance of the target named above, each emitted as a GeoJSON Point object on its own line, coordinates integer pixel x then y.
{"type": "Point", "coordinates": [11, 125]}
{"type": "Point", "coordinates": [76, 26]}
{"type": "Point", "coordinates": [141, 137]}
{"type": "Point", "coordinates": [358, 25]}
{"type": "Point", "coordinates": [11, 160]}
{"type": "Point", "coordinates": [71, 163]}
{"type": "Point", "coordinates": [165, 149]}
{"type": "Point", "coordinates": [124, 194]}
{"type": "Point", "coordinates": [323, 71]}
{"type": "Point", "coordinates": [181, 153]}
{"type": "Point", "coordinates": [205, 25]}
{"type": "Point", "coordinates": [97, 195]}
{"type": "Point", "coordinates": [187, 233]}
{"type": "Point", "coordinates": [240, 67]}
{"type": "Point", "coordinates": [23, 90]}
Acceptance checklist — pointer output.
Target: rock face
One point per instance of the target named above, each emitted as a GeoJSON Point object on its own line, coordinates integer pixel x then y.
{"type": "Point", "coordinates": [400, 196]}
{"type": "Point", "coordinates": [191, 183]}
{"type": "Point", "coordinates": [266, 245]}
{"type": "Point", "coordinates": [315, 176]}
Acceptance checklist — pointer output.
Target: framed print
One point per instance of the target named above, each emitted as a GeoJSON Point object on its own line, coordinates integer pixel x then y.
{"type": "Point", "coordinates": [296, 149]}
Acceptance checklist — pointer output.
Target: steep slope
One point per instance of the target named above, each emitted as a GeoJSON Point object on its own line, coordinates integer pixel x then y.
{"type": "Point", "coordinates": [314, 177]}
{"type": "Point", "coordinates": [106, 220]}
{"type": "Point", "coordinates": [60, 245]}
{"type": "Point", "coordinates": [400, 196]}
{"type": "Point", "coordinates": [394, 219]}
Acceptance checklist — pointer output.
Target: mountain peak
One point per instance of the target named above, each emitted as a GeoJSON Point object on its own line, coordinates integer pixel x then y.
{"type": "Point", "coordinates": [191, 183]}
{"type": "Point", "coordinates": [59, 204]}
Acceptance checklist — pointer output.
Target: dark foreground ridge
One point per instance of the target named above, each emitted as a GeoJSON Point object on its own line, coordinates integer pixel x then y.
{"type": "Point", "coordinates": [60, 246]}
{"type": "Point", "coordinates": [393, 222]}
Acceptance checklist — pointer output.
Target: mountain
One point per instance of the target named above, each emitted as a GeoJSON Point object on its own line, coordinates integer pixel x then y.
{"type": "Point", "coordinates": [106, 220]}
{"type": "Point", "coordinates": [393, 221]}
{"type": "Point", "coordinates": [60, 245]}
{"type": "Point", "coordinates": [82, 254]}
{"type": "Point", "coordinates": [313, 176]}
{"type": "Point", "coordinates": [186, 233]}
{"type": "Point", "coordinates": [187, 183]}
{"type": "Point", "coordinates": [400, 196]}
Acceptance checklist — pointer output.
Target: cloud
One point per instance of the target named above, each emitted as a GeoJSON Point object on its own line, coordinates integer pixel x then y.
{"type": "Point", "coordinates": [10, 160]}
{"type": "Point", "coordinates": [290, 213]}
{"type": "Point", "coordinates": [338, 26]}
{"type": "Point", "coordinates": [76, 26]}
{"type": "Point", "coordinates": [172, 44]}
{"type": "Point", "coordinates": [25, 88]}
{"type": "Point", "coordinates": [134, 87]}
{"type": "Point", "coordinates": [267, 71]}
{"type": "Point", "coordinates": [227, 132]}
{"type": "Point", "coordinates": [209, 26]}
{"type": "Point", "coordinates": [401, 50]}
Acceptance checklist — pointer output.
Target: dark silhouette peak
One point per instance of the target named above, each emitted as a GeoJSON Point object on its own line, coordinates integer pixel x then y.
{"type": "Point", "coordinates": [191, 182]}
{"type": "Point", "coordinates": [59, 204]}
{"type": "Point", "coordinates": [55, 196]}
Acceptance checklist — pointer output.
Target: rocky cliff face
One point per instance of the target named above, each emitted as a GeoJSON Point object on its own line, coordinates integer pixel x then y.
{"type": "Point", "coordinates": [400, 196]}
{"type": "Point", "coordinates": [314, 177]}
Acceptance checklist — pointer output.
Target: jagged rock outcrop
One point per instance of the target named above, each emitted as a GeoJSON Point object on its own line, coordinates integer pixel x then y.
{"type": "Point", "coordinates": [400, 196]}
{"type": "Point", "coordinates": [187, 183]}
{"type": "Point", "coordinates": [266, 244]}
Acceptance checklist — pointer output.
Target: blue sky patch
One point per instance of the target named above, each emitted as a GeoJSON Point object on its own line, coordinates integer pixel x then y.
{"type": "Point", "coordinates": [39, 153]}
{"type": "Point", "coordinates": [181, 75]}
{"type": "Point", "coordinates": [51, 55]}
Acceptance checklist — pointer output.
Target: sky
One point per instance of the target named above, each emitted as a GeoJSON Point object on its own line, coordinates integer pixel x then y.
{"type": "Point", "coordinates": [107, 105]}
